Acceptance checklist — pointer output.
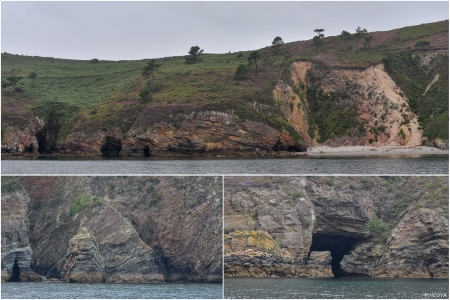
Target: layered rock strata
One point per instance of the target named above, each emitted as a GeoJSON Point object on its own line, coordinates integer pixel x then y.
{"type": "Point", "coordinates": [416, 248]}
{"type": "Point", "coordinates": [321, 227]}
{"type": "Point", "coordinates": [133, 229]}
{"type": "Point", "coordinates": [84, 262]}
{"type": "Point", "coordinates": [257, 254]}
{"type": "Point", "coordinates": [16, 251]}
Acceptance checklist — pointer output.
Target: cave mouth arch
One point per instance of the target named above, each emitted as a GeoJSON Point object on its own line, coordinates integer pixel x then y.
{"type": "Point", "coordinates": [42, 143]}
{"type": "Point", "coordinates": [29, 149]}
{"type": "Point", "coordinates": [15, 275]}
{"type": "Point", "coordinates": [112, 146]}
{"type": "Point", "coordinates": [338, 245]}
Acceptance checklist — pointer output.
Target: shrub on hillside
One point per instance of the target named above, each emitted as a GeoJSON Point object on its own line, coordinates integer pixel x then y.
{"type": "Point", "coordinates": [241, 72]}
{"type": "Point", "coordinates": [376, 225]}
{"type": "Point", "coordinates": [146, 94]}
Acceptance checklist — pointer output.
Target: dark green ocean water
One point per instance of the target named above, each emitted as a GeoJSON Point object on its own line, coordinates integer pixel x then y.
{"type": "Point", "coordinates": [39, 290]}
{"type": "Point", "coordinates": [425, 164]}
{"type": "Point", "coordinates": [335, 288]}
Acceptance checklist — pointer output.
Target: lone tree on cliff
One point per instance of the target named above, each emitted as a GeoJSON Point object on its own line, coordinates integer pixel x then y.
{"type": "Point", "coordinates": [150, 69]}
{"type": "Point", "coordinates": [33, 76]}
{"type": "Point", "coordinates": [277, 41]}
{"type": "Point", "coordinates": [194, 53]}
{"type": "Point", "coordinates": [319, 32]}
{"type": "Point", "coordinates": [276, 44]}
{"type": "Point", "coordinates": [360, 31]}
{"type": "Point", "coordinates": [252, 58]}
{"type": "Point", "coordinates": [318, 38]}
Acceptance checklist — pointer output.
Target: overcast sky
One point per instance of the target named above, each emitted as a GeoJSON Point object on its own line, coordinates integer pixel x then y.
{"type": "Point", "coordinates": [137, 30]}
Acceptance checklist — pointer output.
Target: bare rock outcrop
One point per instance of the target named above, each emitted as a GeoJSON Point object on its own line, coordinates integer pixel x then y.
{"type": "Point", "coordinates": [84, 263]}
{"type": "Point", "coordinates": [24, 140]}
{"type": "Point", "coordinates": [16, 251]}
{"type": "Point", "coordinates": [257, 254]}
{"type": "Point", "coordinates": [198, 132]}
{"type": "Point", "coordinates": [295, 110]}
{"type": "Point", "coordinates": [319, 264]}
{"type": "Point", "coordinates": [141, 229]}
{"type": "Point", "coordinates": [173, 130]}
{"type": "Point", "coordinates": [382, 106]}
{"type": "Point", "coordinates": [416, 248]}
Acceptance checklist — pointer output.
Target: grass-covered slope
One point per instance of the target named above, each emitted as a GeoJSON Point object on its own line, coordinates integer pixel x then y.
{"type": "Point", "coordinates": [90, 96]}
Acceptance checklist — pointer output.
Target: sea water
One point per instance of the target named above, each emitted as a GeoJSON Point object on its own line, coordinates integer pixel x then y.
{"type": "Point", "coordinates": [40, 290]}
{"type": "Point", "coordinates": [374, 165]}
{"type": "Point", "coordinates": [335, 288]}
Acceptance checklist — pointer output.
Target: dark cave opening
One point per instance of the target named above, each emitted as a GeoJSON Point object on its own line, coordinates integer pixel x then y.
{"type": "Point", "coordinates": [15, 276]}
{"type": "Point", "coordinates": [147, 151]}
{"type": "Point", "coordinates": [29, 149]}
{"type": "Point", "coordinates": [338, 245]}
{"type": "Point", "coordinates": [42, 143]}
{"type": "Point", "coordinates": [294, 149]}
{"type": "Point", "coordinates": [48, 135]}
{"type": "Point", "coordinates": [279, 146]}
{"type": "Point", "coordinates": [112, 147]}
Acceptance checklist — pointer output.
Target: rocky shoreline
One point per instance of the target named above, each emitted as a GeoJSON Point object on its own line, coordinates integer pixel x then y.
{"type": "Point", "coordinates": [311, 152]}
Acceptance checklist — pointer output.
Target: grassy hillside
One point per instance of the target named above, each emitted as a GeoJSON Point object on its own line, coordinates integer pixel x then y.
{"type": "Point", "coordinates": [104, 94]}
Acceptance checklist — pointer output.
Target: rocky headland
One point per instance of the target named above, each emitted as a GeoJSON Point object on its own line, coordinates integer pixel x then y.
{"type": "Point", "coordinates": [111, 229]}
{"type": "Point", "coordinates": [391, 227]}
{"type": "Point", "coordinates": [319, 103]}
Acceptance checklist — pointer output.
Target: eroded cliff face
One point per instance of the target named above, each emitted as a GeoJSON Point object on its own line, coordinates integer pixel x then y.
{"type": "Point", "coordinates": [24, 140]}
{"type": "Point", "coordinates": [83, 262]}
{"type": "Point", "coordinates": [319, 227]}
{"type": "Point", "coordinates": [377, 109]}
{"type": "Point", "coordinates": [350, 107]}
{"type": "Point", "coordinates": [323, 103]}
{"type": "Point", "coordinates": [416, 248]}
{"type": "Point", "coordinates": [16, 251]}
{"type": "Point", "coordinates": [199, 132]}
{"type": "Point", "coordinates": [176, 130]}
{"type": "Point", "coordinates": [132, 229]}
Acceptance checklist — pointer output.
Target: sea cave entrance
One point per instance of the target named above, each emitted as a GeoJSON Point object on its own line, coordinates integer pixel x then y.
{"type": "Point", "coordinates": [338, 245]}
{"type": "Point", "coordinates": [43, 146]}
{"type": "Point", "coordinates": [147, 151]}
{"type": "Point", "coordinates": [112, 146]}
{"type": "Point", "coordinates": [15, 276]}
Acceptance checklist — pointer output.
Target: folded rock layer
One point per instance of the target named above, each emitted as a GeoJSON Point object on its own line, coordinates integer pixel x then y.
{"type": "Point", "coordinates": [113, 229]}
